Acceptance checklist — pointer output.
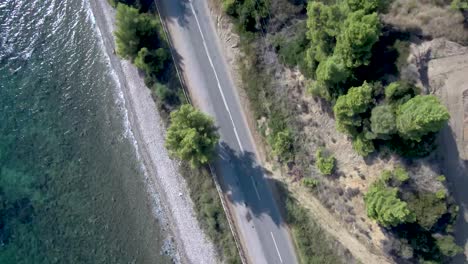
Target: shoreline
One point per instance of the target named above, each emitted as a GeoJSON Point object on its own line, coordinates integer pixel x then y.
{"type": "Point", "coordinates": [192, 244]}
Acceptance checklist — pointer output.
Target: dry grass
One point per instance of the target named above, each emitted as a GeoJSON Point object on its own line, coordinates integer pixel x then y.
{"type": "Point", "coordinates": [428, 18]}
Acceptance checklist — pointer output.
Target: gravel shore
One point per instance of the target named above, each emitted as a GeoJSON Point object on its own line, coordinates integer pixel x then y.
{"type": "Point", "coordinates": [147, 126]}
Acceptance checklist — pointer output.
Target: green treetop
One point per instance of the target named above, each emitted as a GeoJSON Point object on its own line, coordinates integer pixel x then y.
{"type": "Point", "coordinates": [383, 121]}
{"type": "Point", "coordinates": [359, 33]}
{"type": "Point", "coordinates": [151, 61]}
{"type": "Point", "coordinates": [348, 107]}
{"type": "Point", "coordinates": [420, 116]}
{"type": "Point", "coordinates": [127, 20]}
{"type": "Point", "coordinates": [384, 206]}
{"type": "Point", "coordinates": [191, 136]}
{"type": "Point", "coordinates": [323, 25]}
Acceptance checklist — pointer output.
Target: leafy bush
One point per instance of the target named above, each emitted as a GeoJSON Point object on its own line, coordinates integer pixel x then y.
{"type": "Point", "coordinates": [309, 182]}
{"type": "Point", "coordinates": [362, 145]}
{"type": "Point", "coordinates": [420, 116]}
{"type": "Point", "coordinates": [325, 164]}
{"type": "Point", "coordinates": [282, 143]}
{"type": "Point", "coordinates": [191, 136]}
{"type": "Point", "coordinates": [447, 246]}
{"type": "Point", "coordinates": [249, 13]}
{"type": "Point", "coordinates": [384, 206]}
{"type": "Point", "coordinates": [167, 95]}
{"type": "Point", "coordinates": [441, 178]}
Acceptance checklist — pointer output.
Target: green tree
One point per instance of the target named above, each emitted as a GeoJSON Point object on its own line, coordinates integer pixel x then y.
{"type": "Point", "coordinates": [249, 13]}
{"type": "Point", "coordinates": [384, 206]}
{"type": "Point", "coordinates": [330, 76]}
{"type": "Point", "coordinates": [368, 6]}
{"type": "Point", "coordinates": [383, 121]}
{"type": "Point", "coordinates": [151, 61]}
{"type": "Point", "coordinates": [420, 116]}
{"type": "Point", "coordinates": [349, 107]}
{"type": "Point", "coordinates": [359, 34]}
{"type": "Point", "coordinates": [323, 25]}
{"type": "Point", "coordinates": [427, 208]}
{"type": "Point", "coordinates": [447, 246]}
{"type": "Point", "coordinates": [400, 92]}
{"type": "Point", "coordinates": [191, 136]}
{"type": "Point", "coordinates": [362, 145]}
{"type": "Point", "coordinates": [127, 39]}
{"type": "Point", "coordinates": [325, 163]}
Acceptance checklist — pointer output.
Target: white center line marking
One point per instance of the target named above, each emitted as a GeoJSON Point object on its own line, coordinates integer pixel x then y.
{"type": "Point", "coordinates": [216, 76]}
{"type": "Point", "coordinates": [255, 187]}
{"type": "Point", "coordinates": [276, 246]}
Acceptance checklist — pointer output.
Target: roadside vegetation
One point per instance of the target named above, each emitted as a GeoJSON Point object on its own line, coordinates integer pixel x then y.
{"type": "Point", "coordinates": [191, 135]}
{"type": "Point", "coordinates": [352, 61]}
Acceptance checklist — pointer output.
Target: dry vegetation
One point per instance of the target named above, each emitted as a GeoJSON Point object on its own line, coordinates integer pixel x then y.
{"type": "Point", "coordinates": [428, 18]}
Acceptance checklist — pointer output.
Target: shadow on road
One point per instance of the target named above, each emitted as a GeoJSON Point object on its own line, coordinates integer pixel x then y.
{"type": "Point", "coordinates": [455, 170]}
{"type": "Point", "coordinates": [244, 183]}
{"type": "Point", "coordinates": [176, 10]}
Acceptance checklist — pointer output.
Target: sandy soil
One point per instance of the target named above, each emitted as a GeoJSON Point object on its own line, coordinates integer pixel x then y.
{"type": "Point", "coordinates": [193, 245]}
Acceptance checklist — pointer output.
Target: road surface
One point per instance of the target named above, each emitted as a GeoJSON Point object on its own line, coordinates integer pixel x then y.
{"type": "Point", "coordinates": [263, 233]}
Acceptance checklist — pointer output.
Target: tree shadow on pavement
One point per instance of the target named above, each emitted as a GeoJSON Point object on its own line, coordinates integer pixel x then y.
{"type": "Point", "coordinates": [244, 183]}
{"type": "Point", "coordinates": [175, 10]}
{"type": "Point", "coordinates": [456, 171]}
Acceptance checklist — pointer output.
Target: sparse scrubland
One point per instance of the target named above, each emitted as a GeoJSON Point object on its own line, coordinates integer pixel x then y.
{"type": "Point", "coordinates": [328, 94]}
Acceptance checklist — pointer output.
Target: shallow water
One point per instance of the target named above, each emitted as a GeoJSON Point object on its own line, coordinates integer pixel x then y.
{"type": "Point", "coordinates": [72, 188]}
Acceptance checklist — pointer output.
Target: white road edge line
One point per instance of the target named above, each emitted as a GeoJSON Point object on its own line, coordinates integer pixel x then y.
{"type": "Point", "coordinates": [216, 76]}
{"type": "Point", "coordinates": [255, 187]}
{"type": "Point", "coordinates": [276, 246]}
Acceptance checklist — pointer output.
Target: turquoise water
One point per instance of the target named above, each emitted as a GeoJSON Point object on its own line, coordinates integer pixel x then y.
{"type": "Point", "coordinates": [72, 189]}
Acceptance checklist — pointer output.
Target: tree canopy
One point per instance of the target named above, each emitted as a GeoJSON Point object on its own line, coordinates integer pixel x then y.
{"type": "Point", "coordinates": [191, 136]}
{"type": "Point", "coordinates": [383, 121]}
{"type": "Point", "coordinates": [384, 206]}
{"type": "Point", "coordinates": [420, 116]}
{"type": "Point", "coordinates": [359, 34]}
{"type": "Point", "coordinates": [348, 107]}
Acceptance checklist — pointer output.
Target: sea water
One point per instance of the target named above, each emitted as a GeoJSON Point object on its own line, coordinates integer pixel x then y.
{"type": "Point", "coordinates": [72, 188]}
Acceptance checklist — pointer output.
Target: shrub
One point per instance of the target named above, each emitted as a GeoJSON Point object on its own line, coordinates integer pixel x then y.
{"type": "Point", "coordinates": [400, 92]}
{"type": "Point", "coordinates": [249, 13]}
{"type": "Point", "coordinates": [165, 94]}
{"type": "Point", "coordinates": [441, 178]}
{"type": "Point", "coordinates": [363, 146]}
{"type": "Point", "coordinates": [441, 194]}
{"type": "Point", "coordinates": [420, 116]}
{"type": "Point", "coordinates": [401, 175]}
{"type": "Point", "coordinates": [309, 182]}
{"type": "Point", "coordinates": [191, 136]}
{"type": "Point", "coordinates": [325, 164]}
{"type": "Point", "coordinates": [282, 144]}
{"type": "Point", "coordinates": [447, 246]}
{"type": "Point", "coordinates": [384, 206]}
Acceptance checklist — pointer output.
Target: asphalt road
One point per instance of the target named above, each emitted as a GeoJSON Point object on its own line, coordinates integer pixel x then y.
{"type": "Point", "coordinates": [262, 230]}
